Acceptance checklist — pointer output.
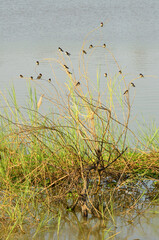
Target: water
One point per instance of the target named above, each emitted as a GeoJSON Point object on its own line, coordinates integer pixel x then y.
{"type": "Point", "coordinates": [73, 227]}
{"type": "Point", "coordinates": [33, 30]}
{"type": "Point", "coordinates": [145, 227]}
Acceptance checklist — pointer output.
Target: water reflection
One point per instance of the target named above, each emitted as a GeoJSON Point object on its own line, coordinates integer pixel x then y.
{"type": "Point", "coordinates": [131, 214]}
{"type": "Point", "coordinates": [73, 226]}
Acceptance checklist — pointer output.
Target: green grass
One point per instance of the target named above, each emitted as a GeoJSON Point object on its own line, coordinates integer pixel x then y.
{"type": "Point", "coordinates": [48, 158]}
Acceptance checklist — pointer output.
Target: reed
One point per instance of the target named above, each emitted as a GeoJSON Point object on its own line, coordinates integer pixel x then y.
{"type": "Point", "coordinates": [80, 147]}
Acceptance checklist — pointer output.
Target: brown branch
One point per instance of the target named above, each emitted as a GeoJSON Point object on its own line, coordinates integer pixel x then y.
{"type": "Point", "coordinates": [102, 169]}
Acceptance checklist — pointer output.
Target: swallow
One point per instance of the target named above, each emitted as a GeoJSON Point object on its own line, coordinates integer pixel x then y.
{"type": "Point", "coordinates": [105, 74]}
{"type": "Point", "coordinates": [84, 51]}
{"type": "Point", "coordinates": [120, 71]}
{"type": "Point", "coordinates": [90, 46]}
{"type": "Point", "coordinates": [67, 53]}
{"type": "Point", "coordinates": [132, 84]}
{"type": "Point", "coordinates": [39, 76]}
{"type": "Point", "coordinates": [77, 84]}
{"type": "Point", "coordinates": [141, 75]}
{"type": "Point", "coordinates": [65, 66]}
{"type": "Point", "coordinates": [31, 77]}
{"type": "Point", "coordinates": [60, 49]}
{"type": "Point", "coordinates": [37, 62]}
{"type": "Point", "coordinates": [101, 24]}
{"type": "Point", "coordinates": [21, 75]}
{"type": "Point", "coordinates": [49, 80]}
{"type": "Point", "coordinates": [125, 92]}
{"type": "Point", "coordinates": [104, 45]}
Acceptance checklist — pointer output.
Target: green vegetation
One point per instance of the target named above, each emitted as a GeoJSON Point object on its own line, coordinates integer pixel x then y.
{"type": "Point", "coordinates": [78, 154]}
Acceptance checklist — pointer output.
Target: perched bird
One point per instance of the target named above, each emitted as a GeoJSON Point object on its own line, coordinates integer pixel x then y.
{"type": "Point", "coordinates": [120, 71]}
{"type": "Point", "coordinates": [37, 62]}
{"type": "Point", "coordinates": [77, 84]}
{"type": "Point", "coordinates": [49, 80]}
{"type": "Point", "coordinates": [60, 49]}
{"type": "Point", "coordinates": [90, 46]}
{"type": "Point", "coordinates": [31, 77]}
{"type": "Point", "coordinates": [104, 45]}
{"type": "Point", "coordinates": [101, 24]}
{"type": "Point", "coordinates": [39, 76]}
{"type": "Point", "coordinates": [105, 74]}
{"type": "Point", "coordinates": [69, 72]}
{"type": "Point", "coordinates": [21, 75]}
{"type": "Point", "coordinates": [67, 53]}
{"type": "Point", "coordinates": [132, 84]}
{"type": "Point", "coordinates": [125, 92]}
{"type": "Point", "coordinates": [84, 51]}
{"type": "Point", "coordinates": [65, 66]}
{"type": "Point", "coordinates": [141, 75]}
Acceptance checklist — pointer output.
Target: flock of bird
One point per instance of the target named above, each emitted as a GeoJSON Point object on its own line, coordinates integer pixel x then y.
{"type": "Point", "coordinates": [67, 68]}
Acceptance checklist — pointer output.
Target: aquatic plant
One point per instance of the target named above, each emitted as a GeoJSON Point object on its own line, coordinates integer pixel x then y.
{"type": "Point", "coordinates": [79, 151]}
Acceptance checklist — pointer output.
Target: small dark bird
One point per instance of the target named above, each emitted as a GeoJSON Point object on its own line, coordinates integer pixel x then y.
{"type": "Point", "coordinates": [60, 49]}
{"type": "Point", "coordinates": [39, 76]}
{"type": "Point", "coordinates": [67, 53]}
{"type": "Point", "coordinates": [90, 46]}
{"type": "Point", "coordinates": [132, 84]}
{"type": "Point", "coordinates": [37, 62]}
{"type": "Point", "coordinates": [77, 84]}
{"type": "Point", "coordinates": [125, 92]}
{"type": "Point", "coordinates": [69, 72]}
{"type": "Point", "coordinates": [65, 66]}
{"type": "Point", "coordinates": [84, 51]}
{"type": "Point", "coordinates": [49, 80]}
{"type": "Point", "coordinates": [141, 75]}
{"type": "Point", "coordinates": [21, 75]}
{"type": "Point", "coordinates": [104, 45]}
{"type": "Point", "coordinates": [101, 24]}
{"type": "Point", "coordinates": [105, 74]}
{"type": "Point", "coordinates": [120, 71]}
{"type": "Point", "coordinates": [31, 77]}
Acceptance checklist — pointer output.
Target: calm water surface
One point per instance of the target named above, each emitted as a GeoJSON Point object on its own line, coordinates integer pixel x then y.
{"type": "Point", "coordinates": [33, 30]}
{"type": "Point", "coordinates": [74, 227]}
